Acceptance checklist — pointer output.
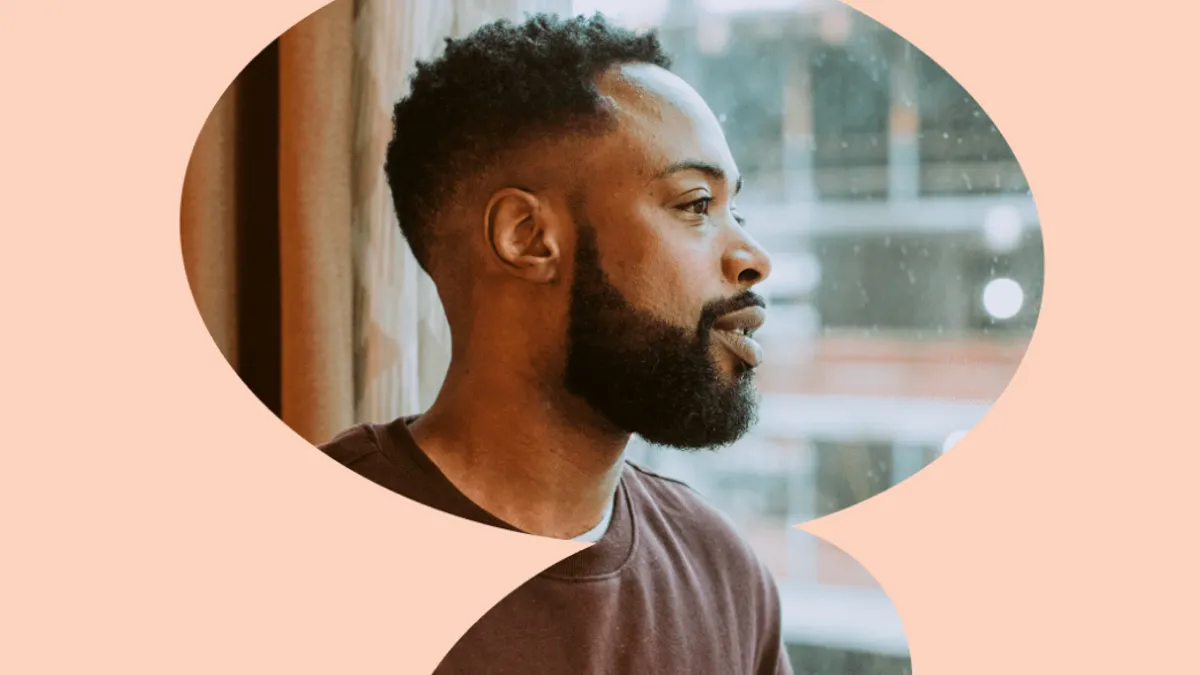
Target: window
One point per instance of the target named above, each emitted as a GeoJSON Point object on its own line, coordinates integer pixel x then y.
{"type": "Point", "coordinates": [851, 100]}
{"type": "Point", "coordinates": [906, 284]}
{"type": "Point", "coordinates": [962, 151]}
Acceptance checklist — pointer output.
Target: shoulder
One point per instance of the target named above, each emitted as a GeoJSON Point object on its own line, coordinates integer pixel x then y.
{"type": "Point", "coordinates": [353, 445]}
{"type": "Point", "coordinates": [682, 526]}
{"type": "Point", "coordinates": [679, 499]}
{"type": "Point", "coordinates": [681, 511]}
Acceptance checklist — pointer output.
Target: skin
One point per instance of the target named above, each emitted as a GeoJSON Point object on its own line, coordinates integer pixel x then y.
{"type": "Point", "coordinates": [659, 189]}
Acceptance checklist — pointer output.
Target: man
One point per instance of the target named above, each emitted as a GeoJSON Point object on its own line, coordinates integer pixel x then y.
{"type": "Point", "coordinates": [573, 200]}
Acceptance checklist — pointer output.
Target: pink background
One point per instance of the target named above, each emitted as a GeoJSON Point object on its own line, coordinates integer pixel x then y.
{"type": "Point", "coordinates": [157, 518]}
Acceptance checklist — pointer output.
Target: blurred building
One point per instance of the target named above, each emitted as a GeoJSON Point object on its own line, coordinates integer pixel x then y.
{"type": "Point", "coordinates": [906, 284]}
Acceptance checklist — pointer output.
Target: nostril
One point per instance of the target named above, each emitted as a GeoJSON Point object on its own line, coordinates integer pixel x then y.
{"type": "Point", "coordinates": [749, 276]}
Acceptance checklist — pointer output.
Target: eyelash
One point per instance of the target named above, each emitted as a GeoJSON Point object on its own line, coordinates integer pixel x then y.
{"type": "Point", "coordinates": [703, 200]}
{"type": "Point", "coordinates": [706, 201]}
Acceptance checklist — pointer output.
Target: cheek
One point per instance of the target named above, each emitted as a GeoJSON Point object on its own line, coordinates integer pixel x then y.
{"type": "Point", "coordinates": [663, 268]}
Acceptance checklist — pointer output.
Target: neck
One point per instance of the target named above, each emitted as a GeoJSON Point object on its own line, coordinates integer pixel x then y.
{"type": "Point", "coordinates": [530, 454]}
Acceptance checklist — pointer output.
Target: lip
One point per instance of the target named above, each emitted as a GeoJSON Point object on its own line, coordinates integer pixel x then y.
{"type": "Point", "coordinates": [734, 330]}
{"type": "Point", "coordinates": [745, 320]}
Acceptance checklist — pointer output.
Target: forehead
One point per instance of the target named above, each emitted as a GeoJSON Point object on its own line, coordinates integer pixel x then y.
{"type": "Point", "coordinates": [660, 120]}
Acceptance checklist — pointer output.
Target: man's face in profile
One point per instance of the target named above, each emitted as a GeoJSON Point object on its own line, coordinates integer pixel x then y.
{"type": "Point", "coordinates": [661, 307]}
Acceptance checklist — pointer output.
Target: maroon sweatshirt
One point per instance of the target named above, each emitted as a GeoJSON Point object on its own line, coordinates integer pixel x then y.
{"type": "Point", "coordinates": [670, 589]}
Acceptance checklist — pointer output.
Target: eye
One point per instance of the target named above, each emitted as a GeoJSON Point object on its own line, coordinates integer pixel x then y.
{"type": "Point", "coordinates": [698, 207]}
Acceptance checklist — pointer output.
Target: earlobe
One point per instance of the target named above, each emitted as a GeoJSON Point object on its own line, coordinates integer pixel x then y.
{"type": "Point", "coordinates": [519, 233]}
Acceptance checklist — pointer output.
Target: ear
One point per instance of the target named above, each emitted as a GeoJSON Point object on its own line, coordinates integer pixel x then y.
{"type": "Point", "coordinates": [523, 235]}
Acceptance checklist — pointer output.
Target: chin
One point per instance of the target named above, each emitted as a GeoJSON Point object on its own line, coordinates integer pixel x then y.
{"type": "Point", "coordinates": [711, 435]}
{"type": "Point", "coordinates": [741, 374]}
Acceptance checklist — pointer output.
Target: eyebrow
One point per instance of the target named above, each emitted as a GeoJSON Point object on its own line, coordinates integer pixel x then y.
{"type": "Point", "coordinates": [711, 170]}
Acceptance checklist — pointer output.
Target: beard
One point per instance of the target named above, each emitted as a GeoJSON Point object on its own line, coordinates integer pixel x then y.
{"type": "Point", "coordinates": [647, 376]}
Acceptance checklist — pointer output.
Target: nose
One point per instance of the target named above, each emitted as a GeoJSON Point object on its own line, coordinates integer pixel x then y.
{"type": "Point", "coordinates": [746, 263]}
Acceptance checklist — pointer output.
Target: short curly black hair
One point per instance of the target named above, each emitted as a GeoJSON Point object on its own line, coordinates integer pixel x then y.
{"type": "Point", "coordinates": [491, 91]}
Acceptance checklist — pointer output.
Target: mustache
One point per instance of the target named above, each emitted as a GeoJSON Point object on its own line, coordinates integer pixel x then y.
{"type": "Point", "coordinates": [716, 309]}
